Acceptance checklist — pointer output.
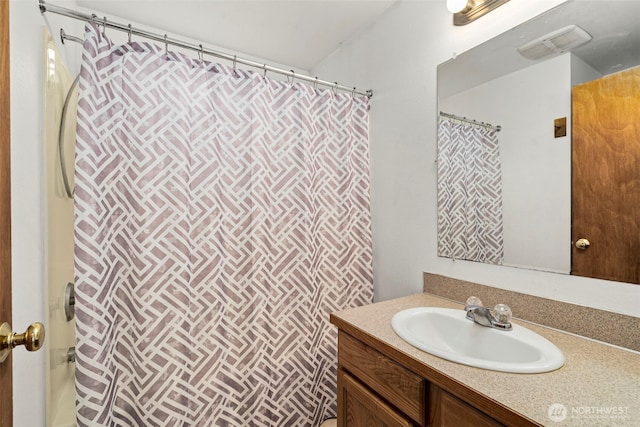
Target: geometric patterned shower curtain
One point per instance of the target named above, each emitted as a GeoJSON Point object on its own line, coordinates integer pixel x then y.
{"type": "Point", "coordinates": [220, 217]}
{"type": "Point", "coordinates": [469, 192]}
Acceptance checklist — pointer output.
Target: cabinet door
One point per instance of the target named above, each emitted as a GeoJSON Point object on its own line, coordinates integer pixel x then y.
{"type": "Point", "coordinates": [446, 410]}
{"type": "Point", "coordinates": [360, 407]}
{"type": "Point", "coordinates": [392, 382]}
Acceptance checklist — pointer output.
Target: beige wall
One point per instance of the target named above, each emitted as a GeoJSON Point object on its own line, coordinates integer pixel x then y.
{"type": "Point", "coordinates": [58, 234]}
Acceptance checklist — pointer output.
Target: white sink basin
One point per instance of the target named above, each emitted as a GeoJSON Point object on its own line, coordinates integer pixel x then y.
{"type": "Point", "coordinates": [447, 333]}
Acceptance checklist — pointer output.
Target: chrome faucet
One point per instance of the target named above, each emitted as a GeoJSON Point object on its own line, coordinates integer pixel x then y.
{"type": "Point", "coordinates": [498, 318]}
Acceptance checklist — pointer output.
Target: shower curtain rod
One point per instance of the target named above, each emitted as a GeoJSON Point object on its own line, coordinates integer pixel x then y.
{"type": "Point", "coordinates": [473, 122]}
{"type": "Point", "coordinates": [59, 10]}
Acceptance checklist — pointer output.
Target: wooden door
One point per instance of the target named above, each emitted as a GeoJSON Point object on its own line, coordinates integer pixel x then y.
{"type": "Point", "coordinates": [606, 177]}
{"type": "Point", "coordinates": [6, 400]}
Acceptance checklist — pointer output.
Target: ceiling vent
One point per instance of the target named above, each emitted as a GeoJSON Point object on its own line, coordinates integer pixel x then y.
{"type": "Point", "coordinates": [559, 41]}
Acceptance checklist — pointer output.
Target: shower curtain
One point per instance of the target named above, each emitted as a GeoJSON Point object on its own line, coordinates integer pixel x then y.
{"type": "Point", "coordinates": [220, 217]}
{"type": "Point", "coordinates": [469, 192]}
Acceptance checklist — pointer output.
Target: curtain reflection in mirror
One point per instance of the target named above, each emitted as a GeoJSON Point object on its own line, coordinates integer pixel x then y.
{"type": "Point", "coordinates": [469, 192]}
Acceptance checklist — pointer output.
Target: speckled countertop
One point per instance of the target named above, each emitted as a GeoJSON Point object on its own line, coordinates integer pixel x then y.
{"type": "Point", "coordinates": [599, 385]}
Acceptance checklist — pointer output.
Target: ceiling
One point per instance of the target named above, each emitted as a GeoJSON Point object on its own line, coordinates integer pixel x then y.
{"type": "Point", "coordinates": [296, 33]}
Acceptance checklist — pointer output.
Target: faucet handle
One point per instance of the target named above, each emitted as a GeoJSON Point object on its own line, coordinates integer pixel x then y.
{"type": "Point", "coordinates": [502, 313]}
{"type": "Point", "coordinates": [472, 302]}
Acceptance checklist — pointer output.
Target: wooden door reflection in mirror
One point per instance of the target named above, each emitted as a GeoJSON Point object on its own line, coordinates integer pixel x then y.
{"type": "Point", "coordinates": [605, 180]}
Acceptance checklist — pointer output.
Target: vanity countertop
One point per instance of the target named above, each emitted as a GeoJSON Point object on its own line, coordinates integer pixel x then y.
{"type": "Point", "coordinates": [599, 385]}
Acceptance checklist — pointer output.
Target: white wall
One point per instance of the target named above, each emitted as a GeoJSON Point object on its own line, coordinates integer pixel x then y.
{"type": "Point", "coordinates": [536, 166]}
{"type": "Point", "coordinates": [582, 72]}
{"type": "Point", "coordinates": [397, 58]}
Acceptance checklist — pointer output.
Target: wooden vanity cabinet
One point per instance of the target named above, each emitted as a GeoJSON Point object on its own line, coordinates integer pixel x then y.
{"type": "Point", "coordinates": [378, 391]}
{"type": "Point", "coordinates": [373, 390]}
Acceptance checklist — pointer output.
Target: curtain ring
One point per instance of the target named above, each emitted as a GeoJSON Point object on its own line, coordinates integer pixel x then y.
{"type": "Point", "coordinates": [166, 45]}
{"type": "Point", "coordinates": [264, 68]}
{"type": "Point", "coordinates": [335, 88]}
{"type": "Point", "coordinates": [129, 33]}
{"type": "Point", "coordinates": [293, 76]}
{"type": "Point", "coordinates": [315, 84]}
{"type": "Point", "coordinates": [93, 18]}
{"type": "Point", "coordinates": [104, 26]}
{"type": "Point", "coordinates": [201, 54]}
{"type": "Point", "coordinates": [235, 60]}
{"type": "Point", "coordinates": [353, 92]}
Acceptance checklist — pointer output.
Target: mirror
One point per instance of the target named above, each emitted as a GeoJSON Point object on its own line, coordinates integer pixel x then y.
{"type": "Point", "coordinates": [494, 84]}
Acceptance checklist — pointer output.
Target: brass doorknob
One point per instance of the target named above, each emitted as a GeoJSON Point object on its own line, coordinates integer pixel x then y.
{"type": "Point", "coordinates": [32, 339]}
{"type": "Point", "coordinates": [582, 244]}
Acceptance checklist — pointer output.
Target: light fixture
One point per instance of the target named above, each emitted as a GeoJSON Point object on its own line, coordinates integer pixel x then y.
{"type": "Point", "coordinates": [466, 11]}
{"type": "Point", "coordinates": [455, 6]}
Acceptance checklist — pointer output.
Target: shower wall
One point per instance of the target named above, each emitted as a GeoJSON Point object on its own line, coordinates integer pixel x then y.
{"type": "Point", "coordinates": [59, 270]}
